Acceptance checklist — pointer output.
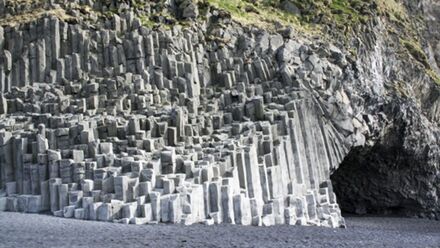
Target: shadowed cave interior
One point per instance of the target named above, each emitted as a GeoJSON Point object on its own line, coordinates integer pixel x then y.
{"type": "Point", "coordinates": [373, 181]}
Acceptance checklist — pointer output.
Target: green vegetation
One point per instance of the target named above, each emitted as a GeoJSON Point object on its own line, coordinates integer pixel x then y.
{"type": "Point", "coordinates": [343, 17]}
{"type": "Point", "coordinates": [307, 15]}
{"type": "Point", "coordinates": [311, 12]}
{"type": "Point", "coordinates": [341, 12]}
{"type": "Point", "coordinates": [26, 17]}
{"type": "Point", "coordinates": [416, 51]}
{"type": "Point", "coordinates": [145, 20]}
{"type": "Point", "coordinates": [434, 76]}
{"type": "Point", "coordinates": [262, 14]}
{"type": "Point", "coordinates": [392, 9]}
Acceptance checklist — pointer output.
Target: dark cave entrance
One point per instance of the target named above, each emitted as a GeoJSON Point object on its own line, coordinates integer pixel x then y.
{"type": "Point", "coordinates": [372, 182]}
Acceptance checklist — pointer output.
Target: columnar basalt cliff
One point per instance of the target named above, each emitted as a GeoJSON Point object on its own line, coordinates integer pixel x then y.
{"type": "Point", "coordinates": [177, 112]}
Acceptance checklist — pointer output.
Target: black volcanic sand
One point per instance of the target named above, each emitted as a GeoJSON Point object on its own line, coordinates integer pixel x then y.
{"type": "Point", "coordinates": [25, 230]}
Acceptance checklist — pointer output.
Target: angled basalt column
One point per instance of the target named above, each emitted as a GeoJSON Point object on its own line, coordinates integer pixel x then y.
{"type": "Point", "coordinates": [285, 163]}
{"type": "Point", "coordinates": [6, 158]}
{"type": "Point", "coordinates": [309, 153]}
{"type": "Point", "coordinates": [18, 151]}
{"type": "Point", "coordinates": [227, 204]}
{"type": "Point", "coordinates": [2, 7]}
{"type": "Point", "coordinates": [3, 78]}
{"type": "Point", "coordinates": [299, 155]}
{"type": "Point", "coordinates": [7, 62]}
{"type": "Point", "coordinates": [252, 174]}
{"type": "Point", "coordinates": [264, 180]}
{"type": "Point", "coordinates": [41, 60]}
{"type": "Point", "coordinates": [53, 194]}
{"type": "Point", "coordinates": [35, 183]}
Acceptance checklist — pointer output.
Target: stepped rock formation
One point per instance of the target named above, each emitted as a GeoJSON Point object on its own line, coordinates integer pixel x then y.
{"type": "Point", "coordinates": [107, 118]}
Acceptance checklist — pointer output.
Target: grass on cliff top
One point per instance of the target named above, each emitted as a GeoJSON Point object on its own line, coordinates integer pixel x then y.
{"type": "Point", "coordinates": [340, 11]}
{"type": "Point", "coordinates": [342, 14]}
{"type": "Point", "coordinates": [312, 13]}
{"type": "Point", "coordinates": [26, 17]}
{"type": "Point", "coordinates": [260, 14]}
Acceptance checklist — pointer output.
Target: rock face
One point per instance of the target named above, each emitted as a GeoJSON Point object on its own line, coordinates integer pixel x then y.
{"type": "Point", "coordinates": [134, 125]}
{"type": "Point", "coordinates": [106, 119]}
{"type": "Point", "coordinates": [398, 173]}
